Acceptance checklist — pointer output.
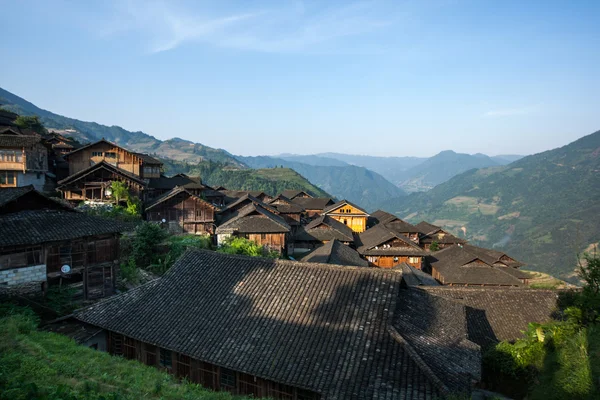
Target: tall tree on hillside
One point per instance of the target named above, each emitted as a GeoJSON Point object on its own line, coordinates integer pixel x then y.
{"type": "Point", "coordinates": [32, 123]}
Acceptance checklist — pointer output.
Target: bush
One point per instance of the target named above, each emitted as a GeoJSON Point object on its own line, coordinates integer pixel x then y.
{"type": "Point", "coordinates": [239, 245]}
{"type": "Point", "coordinates": [145, 242]}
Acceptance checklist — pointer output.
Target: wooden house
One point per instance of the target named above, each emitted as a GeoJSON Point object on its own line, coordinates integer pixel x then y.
{"type": "Point", "coordinates": [431, 233]}
{"type": "Point", "coordinates": [23, 159]}
{"type": "Point", "coordinates": [94, 183]}
{"type": "Point", "coordinates": [238, 204]}
{"type": "Point", "coordinates": [43, 242]}
{"type": "Point", "coordinates": [393, 222]}
{"type": "Point", "coordinates": [349, 214]}
{"type": "Point", "coordinates": [320, 231]}
{"type": "Point", "coordinates": [290, 212]}
{"type": "Point", "coordinates": [385, 248]}
{"type": "Point", "coordinates": [257, 224]}
{"type": "Point", "coordinates": [294, 194]}
{"type": "Point", "coordinates": [231, 196]}
{"type": "Point", "coordinates": [313, 206]}
{"type": "Point", "coordinates": [140, 165]}
{"type": "Point", "coordinates": [183, 212]}
{"type": "Point", "coordinates": [193, 184]}
{"type": "Point", "coordinates": [338, 318]}
{"type": "Point", "coordinates": [465, 265]}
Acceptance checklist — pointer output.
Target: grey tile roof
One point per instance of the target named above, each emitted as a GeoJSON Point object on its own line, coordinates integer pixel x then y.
{"type": "Point", "coordinates": [16, 141]}
{"type": "Point", "coordinates": [436, 328]}
{"type": "Point", "coordinates": [324, 228]}
{"type": "Point", "coordinates": [316, 203]}
{"type": "Point", "coordinates": [391, 221]}
{"type": "Point", "coordinates": [339, 204]}
{"type": "Point", "coordinates": [334, 252]}
{"type": "Point", "coordinates": [427, 228]}
{"type": "Point", "coordinates": [379, 235]}
{"type": "Point", "coordinates": [148, 159]}
{"type": "Point", "coordinates": [41, 226]}
{"type": "Point", "coordinates": [168, 183]}
{"type": "Point", "coordinates": [8, 195]}
{"type": "Point", "coordinates": [175, 192]}
{"type": "Point", "coordinates": [290, 194]}
{"type": "Point", "coordinates": [27, 198]}
{"type": "Point", "coordinates": [492, 256]}
{"type": "Point", "coordinates": [315, 326]}
{"type": "Point", "coordinates": [244, 201]}
{"type": "Point", "coordinates": [253, 218]}
{"type": "Point", "coordinates": [415, 277]}
{"type": "Point", "coordinates": [460, 266]}
{"type": "Point", "coordinates": [101, 165]}
{"type": "Point", "coordinates": [496, 314]}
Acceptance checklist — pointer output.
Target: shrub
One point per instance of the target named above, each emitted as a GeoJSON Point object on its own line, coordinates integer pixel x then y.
{"type": "Point", "coordinates": [147, 238]}
{"type": "Point", "coordinates": [239, 245]}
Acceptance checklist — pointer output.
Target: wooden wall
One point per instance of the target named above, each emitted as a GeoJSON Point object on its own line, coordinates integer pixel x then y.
{"type": "Point", "coordinates": [192, 215]}
{"type": "Point", "coordinates": [208, 375]}
{"type": "Point", "coordinates": [392, 261]}
{"type": "Point", "coordinates": [274, 241]}
{"type": "Point", "coordinates": [87, 157]}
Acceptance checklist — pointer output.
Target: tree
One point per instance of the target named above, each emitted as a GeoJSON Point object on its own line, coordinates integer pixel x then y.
{"type": "Point", "coordinates": [589, 272]}
{"type": "Point", "coordinates": [434, 246]}
{"type": "Point", "coordinates": [240, 245]}
{"type": "Point", "coordinates": [119, 191]}
{"type": "Point", "coordinates": [32, 123]}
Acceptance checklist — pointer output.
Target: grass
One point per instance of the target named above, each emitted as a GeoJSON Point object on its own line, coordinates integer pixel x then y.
{"type": "Point", "coordinates": [44, 365]}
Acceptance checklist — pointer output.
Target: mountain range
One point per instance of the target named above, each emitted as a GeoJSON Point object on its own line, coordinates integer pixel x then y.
{"type": "Point", "coordinates": [544, 209]}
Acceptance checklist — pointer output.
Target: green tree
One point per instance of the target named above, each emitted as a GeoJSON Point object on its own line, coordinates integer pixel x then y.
{"type": "Point", "coordinates": [239, 245]}
{"type": "Point", "coordinates": [434, 246]}
{"type": "Point", "coordinates": [32, 123]}
{"type": "Point", "coordinates": [148, 237]}
{"type": "Point", "coordinates": [589, 272]}
{"type": "Point", "coordinates": [119, 191]}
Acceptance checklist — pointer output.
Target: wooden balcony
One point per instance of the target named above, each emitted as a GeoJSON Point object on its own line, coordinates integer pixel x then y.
{"type": "Point", "coordinates": [12, 166]}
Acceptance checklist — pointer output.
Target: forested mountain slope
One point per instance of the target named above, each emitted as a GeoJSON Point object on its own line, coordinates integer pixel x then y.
{"type": "Point", "coordinates": [85, 132]}
{"type": "Point", "coordinates": [356, 184]}
{"type": "Point", "coordinates": [543, 209]}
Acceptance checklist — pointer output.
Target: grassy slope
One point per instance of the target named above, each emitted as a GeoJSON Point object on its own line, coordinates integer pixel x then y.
{"type": "Point", "coordinates": [543, 209]}
{"type": "Point", "coordinates": [45, 365]}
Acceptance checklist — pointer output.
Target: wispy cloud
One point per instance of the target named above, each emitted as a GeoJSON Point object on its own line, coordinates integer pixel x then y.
{"type": "Point", "coordinates": [293, 27]}
{"type": "Point", "coordinates": [509, 112]}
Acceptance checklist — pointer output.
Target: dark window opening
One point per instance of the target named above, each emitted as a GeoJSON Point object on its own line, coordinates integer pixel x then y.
{"type": "Point", "coordinates": [227, 379]}
{"type": "Point", "coordinates": [166, 360]}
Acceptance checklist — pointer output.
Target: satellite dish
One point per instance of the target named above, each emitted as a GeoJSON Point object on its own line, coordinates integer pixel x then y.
{"type": "Point", "coordinates": [164, 220]}
{"type": "Point", "coordinates": [108, 191]}
{"type": "Point", "coordinates": [65, 269]}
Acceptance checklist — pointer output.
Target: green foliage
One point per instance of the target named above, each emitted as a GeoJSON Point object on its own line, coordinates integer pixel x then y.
{"type": "Point", "coordinates": [239, 245]}
{"type": "Point", "coordinates": [134, 206]}
{"type": "Point", "coordinates": [129, 214]}
{"type": "Point", "coordinates": [434, 246]}
{"type": "Point", "coordinates": [48, 366]}
{"type": "Point", "coordinates": [119, 191]}
{"type": "Point", "coordinates": [60, 300]}
{"type": "Point", "coordinates": [32, 123]}
{"type": "Point", "coordinates": [147, 238]}
{"type": "Point", "coordinates": [589, 272]}
{"type": "Point", "coordinates": [130, 273]}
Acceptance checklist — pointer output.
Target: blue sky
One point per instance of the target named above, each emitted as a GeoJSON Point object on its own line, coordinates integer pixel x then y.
{"type": "Point", "coordinates": [264, 77]}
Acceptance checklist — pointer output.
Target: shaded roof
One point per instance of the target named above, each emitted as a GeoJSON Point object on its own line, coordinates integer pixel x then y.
{"type": "Point", "coordinates": [285, 205]}
{"type": "Point", "coordinates": [18, 141]}
{"type": "Point", "coordinates": [101, 165]}
{"type": "Point", "coordinates": [371, 241]}
{"type": "Point", "coordinates": [40, 226]}
{"type": "Point", "coordinates": [436, 328]}
{"type": "Point", "coordinates": [324, 228]}
{"type": "Point", "coordinates": [341, 203]}
{"type": "Point", "coordinates": [175, 192]}
{"type": "Point", "coordinates": [496, 314]}
{"type": "Point", "coordinates": [7, 117]}
{"type": "Point", "coordinates": [392, 221]}
{"type": "Point", "coordinates": [492, 256]}
{"type": "Point", "coordinates": [168, 183]}
{"type": "Point", "coordinates": [68, 326]}
{"type": "Point", "coordinates": [232, 195]}
{"type": "Point", "coordinates": [148, 159]}
{"type": "Point", "coordinates": [327, 331]}
{"type": "Point", "coordinates": [427, 228]}
{"type": "Point", "coordinates": [313, 203]}
{"type": "Point", "coordinates": [27, 198]}
{"type": "Point", "coordinates": [253, 218]}
{"type": "Point", "coordinates": [415, 277]}
{"type": "Point", "coordinates": [290, 194]}
{"type": "Point", "coordinates": [334, 252]}
{"type": "Point", "coordinates": [381, 216]}
{"type": "Point", "coordinates": [249, 199]}
{"type": "Point", "coordinates": [457, 265]}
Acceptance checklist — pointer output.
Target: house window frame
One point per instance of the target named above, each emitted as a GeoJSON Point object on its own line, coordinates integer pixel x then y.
{"type": "Point", "coordinates": [97, 154]}
{"type": "Point", "coordinates": [165, 358]}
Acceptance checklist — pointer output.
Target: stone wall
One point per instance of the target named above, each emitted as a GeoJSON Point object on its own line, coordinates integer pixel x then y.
{"type": "Point", "coordinates": [20, 276]}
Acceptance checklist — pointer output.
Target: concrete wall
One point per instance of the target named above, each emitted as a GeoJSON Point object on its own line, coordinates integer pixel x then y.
{"type": "Point", "coordinates": [20, 276]}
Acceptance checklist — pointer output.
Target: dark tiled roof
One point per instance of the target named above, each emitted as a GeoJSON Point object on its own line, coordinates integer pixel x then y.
{"type": "Point", "coordinates": [168, 183]}
{"type": "Point", "coordinates": [436, 328]}
{"type": "Point", "coordinates": [148, 159]}
{"type": "Point", "coordinates": [327, 331]}
{"type": "Point", "coordinates": [234, 195]}
{"type": "Point", "coordinates": [380, 234]}
{"type": "Point", "coordinates": [446, 239]}
{"type": "Point", "coordinates": [16, 141]}
{"type": "Point", "coordinates": [286, 208]}
{"type": "Point", "coordinates": [458, 266]}
{"type": "Point", "coordinates": [244, 201]}
{"type": "Point", "coordinates": [79, 331]}
{"type": "Point", "coordinates": [177, 191]}
{"type": "Point", "coordinates": [491, 256]}
{"type": "Point", "coordinates": [41, 226]}
{"type": "Point", "coordinates": [415, 277]}
{"type": "Point", "coordinates": [391, 221]}
{"type": "Point", "coordinates": [324, 228]}
{"type": "Point", "coordinates": [381, 217]}
{"type": "Point", "coordinates": [427, 228]}
{"type": "Point", "coordinates": [27, 198]}
{"type": "Point", "coordinates": [317, 203]}
{"type": "Point", "coordinates": [8, 195]}
{"type": "Point", "coordinates": [496, 314]}
{"type": "Point", "coordinates": [254, 219]}
{"type": "Point", "coordinates": [339, 204]}
{"type": "Point", "coordinates": [290, 194]}
{"type": "Point", "coordinates": [10, 130]}
{"type": "Point", "coordinates": [334, 252]}
{"type": "Point", "coordinates": [101, 165]}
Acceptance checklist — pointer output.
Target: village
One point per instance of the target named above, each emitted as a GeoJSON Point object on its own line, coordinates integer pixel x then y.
{"type": "Point", "coordinates": [357, 304]}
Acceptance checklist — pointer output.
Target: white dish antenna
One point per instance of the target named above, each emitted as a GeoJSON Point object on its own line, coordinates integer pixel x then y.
{"type": "Point", "coordinates": [65, 269]}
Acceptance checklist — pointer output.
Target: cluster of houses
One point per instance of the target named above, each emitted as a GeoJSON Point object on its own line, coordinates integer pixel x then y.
{"type": "Point", "coordinates": [367, 306]}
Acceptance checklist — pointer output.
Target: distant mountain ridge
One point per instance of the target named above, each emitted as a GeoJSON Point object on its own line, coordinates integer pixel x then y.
{"type": "Point", "coordinates": [176, 149]}
{"type": "Point", "coordinates": [350, 182]}
{"type": "Point", "coordinates": [543, 208]}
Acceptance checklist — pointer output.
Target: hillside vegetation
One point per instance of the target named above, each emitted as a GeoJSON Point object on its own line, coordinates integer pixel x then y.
{"type": "Point", "coordinates": [356, 184]}
{"type": "Point", "coordinates": [542, 209]}
{"type": "Point", "coordinates": [49, 366]}
{"type": "Point", "coordinates": [177, 149]}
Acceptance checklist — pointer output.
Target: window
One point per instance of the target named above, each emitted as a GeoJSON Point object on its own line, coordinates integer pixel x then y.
{"type": "Point", "coordinates": [345, 222]}
{"type": "Point", "coordinates": [11, 156]}
{"type": "Point", "coordinates": [227, 379]}
{"type": "Point", "coordinates": [8, 178]}
{"type": "Point", "coordinates": [150, 354]}
{"type": "Point", "coordinates": [414, 260]}
{"type": "Point", "coordinates": [96, 154]}
{"type": "Point", "coordinates": [263, 236]}
{"type": "Point", "coordinates": [166, 360]}
{"type": "Point", "coordinates": [110, 154]}
{"type": "Point", "coordinates": [22, 258]}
